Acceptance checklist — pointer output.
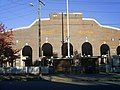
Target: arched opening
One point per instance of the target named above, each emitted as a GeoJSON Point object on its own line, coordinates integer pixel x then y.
{"type": "Point", "coordinates": [47, 50]}
{"type": "Point", "coordinates": [104, 49]}
{"type": "Point", "coordinates": [65, 49]}
{"type": "Point", "coordinates": [27, 52]}
{"type": "Point", "coordinates": [118, 50]}
{"type": "Point", "coordinates": [87, 49]}
{"type": "Point", "coordinates": [105, 52]}
{"type": "Point", "coordinates": [89, 63]}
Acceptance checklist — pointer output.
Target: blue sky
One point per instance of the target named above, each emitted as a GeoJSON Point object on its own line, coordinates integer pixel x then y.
{"type": "Point", "coordinates": [18, 13]}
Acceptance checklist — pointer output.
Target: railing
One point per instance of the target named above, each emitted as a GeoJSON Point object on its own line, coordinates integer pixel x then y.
{"type": "Point", "coordinates": [116, 69]}
{"type": "Point", "coordinates": [19, 70]}
{"type": "Point", "coordinates": [43, 70]}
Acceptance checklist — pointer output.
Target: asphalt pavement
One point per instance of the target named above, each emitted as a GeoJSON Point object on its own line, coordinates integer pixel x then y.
{"type": "Point", "coordinates": [66, 82]}
{"type": "Point", "coordinates": [48, 85]}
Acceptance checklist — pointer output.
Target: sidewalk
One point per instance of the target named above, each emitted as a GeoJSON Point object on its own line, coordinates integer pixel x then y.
{"type": "Point", "coordinates": [82, 77]}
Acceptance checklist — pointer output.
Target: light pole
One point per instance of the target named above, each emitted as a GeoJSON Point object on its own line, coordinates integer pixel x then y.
{"type": "Point", "coordinates": [68, 31]}
{"type": "Point", "coordinates": [39, 26]}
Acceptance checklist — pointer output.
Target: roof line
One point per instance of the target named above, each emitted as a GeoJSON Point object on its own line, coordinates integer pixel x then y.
{"type": "Point", "coordinates": [104, 26]}
{"type": "Point", "coordinates": [26, 27]}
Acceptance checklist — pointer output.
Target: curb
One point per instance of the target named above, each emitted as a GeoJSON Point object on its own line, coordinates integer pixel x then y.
{"type": "Point", "coordinates": [62, 78]}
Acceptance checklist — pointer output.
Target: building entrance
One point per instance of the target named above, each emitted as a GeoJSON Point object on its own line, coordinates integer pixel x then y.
{"type": "Point", "coordinates": [27, 53]}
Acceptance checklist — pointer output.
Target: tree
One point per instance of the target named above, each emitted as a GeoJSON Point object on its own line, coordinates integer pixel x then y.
{"type": "Point", "coordinates": [7, 53]}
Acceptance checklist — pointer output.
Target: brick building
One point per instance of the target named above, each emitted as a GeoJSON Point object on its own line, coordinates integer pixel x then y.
{"type": "Point", "coordinates": [87, 36]}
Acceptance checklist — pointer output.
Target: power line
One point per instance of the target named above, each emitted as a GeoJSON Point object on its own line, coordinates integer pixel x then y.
{"type": "Point", "coordinates": [16, 6]}
{"type": "Point", "coordinates": [90, 2]}
{"type": "Point", "coordinates": [12, 7]}
{"type": "Point", "coordinates": [86, 2]}
{"type": "Point", "coordinates": [91, 11]}
{"type": "Point", "coordinates": [18, 16]}
{"type": "Point", "coordinates": [28, 13]}
{"type": "Point", "coordinates": [17, 12]}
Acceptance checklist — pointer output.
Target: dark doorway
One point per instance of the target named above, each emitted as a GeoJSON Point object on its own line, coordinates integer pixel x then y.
{"type": "Point", "coordinates": [87, 49]}
{"type": "Point", "coordinates": [47, 50]}
{"type": "Point", "coordinates": [27, 52]}
{"type": "Point", "coordinates": [104, 49]}
{"type": "Point", "coordinates": [65, 49]}
{"type": "Point", "coordinates": [105, 53]}
{"type": "Point", "coordinates": [118, 50]}
{"type": "Point", "coordinates": [89, 64]}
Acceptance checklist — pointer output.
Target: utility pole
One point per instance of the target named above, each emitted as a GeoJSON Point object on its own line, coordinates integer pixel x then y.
{"type": "Point", "coordinates": [68, 31]}
{"type": "Point", "coordinates": [39, 26]}
{"type": "Point", "coordinates": [62, 29]}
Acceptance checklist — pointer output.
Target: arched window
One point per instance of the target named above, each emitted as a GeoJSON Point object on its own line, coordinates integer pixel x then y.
{"type": "Point", "coordinates": [105, 52]}
{"type": "Point", "coordinates": [65, 49]}
{"type": "Point", "coordinates": [27, 52]}
{"type": "Point", "coordinates": [87, 49]}
{"type": "Point", "coordinates": [47, 50]}
{"type": "Point", "coordinates": [104, 49]}
{"type": "Point", "coordinates": [118, 50]}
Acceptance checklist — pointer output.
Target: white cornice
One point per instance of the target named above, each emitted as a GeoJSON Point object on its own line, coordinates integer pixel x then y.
{"type": "Point", "coordinates": [91, 19]}
{"type": "Point", "coordinates": [69, 13]}
{"type": "Point", "coordinates": [104, 26]}
{"type": "Point", "coordinates": [26, 27]}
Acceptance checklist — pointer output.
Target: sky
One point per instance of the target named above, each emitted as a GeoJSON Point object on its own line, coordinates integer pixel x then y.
{"type": "Point", "coordinates": [19, 13]}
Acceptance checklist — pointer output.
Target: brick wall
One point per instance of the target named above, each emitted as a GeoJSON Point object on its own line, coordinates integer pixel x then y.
{"type": "Point", "coordinates": [81, 30]}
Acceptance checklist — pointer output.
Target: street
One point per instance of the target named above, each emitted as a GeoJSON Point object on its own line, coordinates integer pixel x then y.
{"type": "Point", "coordinates": [46, 85]}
